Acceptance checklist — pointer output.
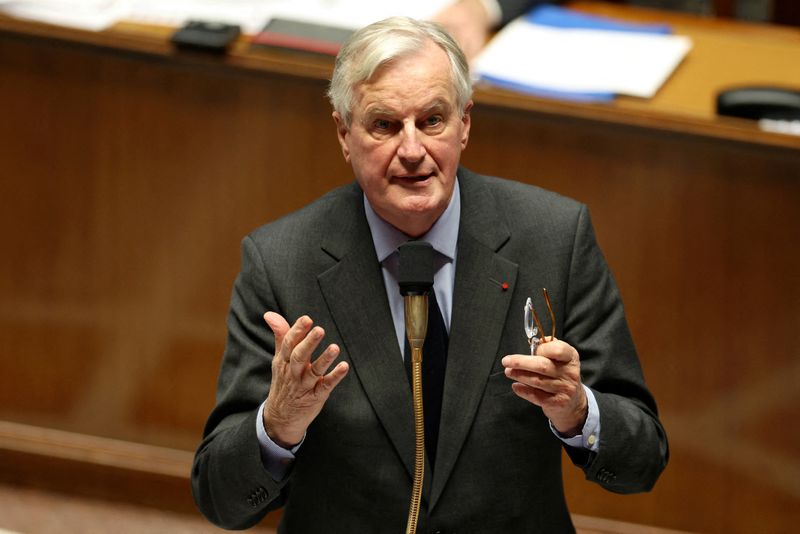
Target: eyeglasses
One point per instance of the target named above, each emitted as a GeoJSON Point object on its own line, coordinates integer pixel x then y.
{"type": "Point", "coordinates": [533, 327]}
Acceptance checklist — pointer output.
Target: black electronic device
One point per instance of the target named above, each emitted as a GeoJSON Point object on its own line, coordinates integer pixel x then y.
{"type": "Point", "coordinates": [206, 36]}
{"type": "Point", "coordinates": [760, 102]}
{"type": "Point", "coordinates": [415, 275]}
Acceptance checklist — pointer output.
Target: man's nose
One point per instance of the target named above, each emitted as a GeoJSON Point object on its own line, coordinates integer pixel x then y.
{"type": "Point", "coordinates": [411, 147]}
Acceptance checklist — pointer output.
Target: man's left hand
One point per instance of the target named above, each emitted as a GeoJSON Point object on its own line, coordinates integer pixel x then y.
{"type": "Point", "coordinates": [552, 380]}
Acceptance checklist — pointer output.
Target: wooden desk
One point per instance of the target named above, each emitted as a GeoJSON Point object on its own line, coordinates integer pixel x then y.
{"type": "Point", "coordinates": [129, 173]}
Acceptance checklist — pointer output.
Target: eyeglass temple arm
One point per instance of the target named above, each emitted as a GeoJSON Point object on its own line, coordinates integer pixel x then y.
{"type": "Point", "coordinates": [552, 315]}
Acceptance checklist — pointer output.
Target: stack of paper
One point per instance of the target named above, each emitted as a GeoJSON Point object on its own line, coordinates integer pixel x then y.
{"type": "Point", "coordinates": [250, 15]}
{"type": "Point", "coordinates": [560, 53]}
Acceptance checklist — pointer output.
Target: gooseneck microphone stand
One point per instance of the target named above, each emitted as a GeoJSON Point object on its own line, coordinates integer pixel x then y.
{"type": "Point", "coordinates": [415, 278]}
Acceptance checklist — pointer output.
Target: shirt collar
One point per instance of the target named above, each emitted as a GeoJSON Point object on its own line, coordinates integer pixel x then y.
{"type": "Point", "coordinates": [442, 236]}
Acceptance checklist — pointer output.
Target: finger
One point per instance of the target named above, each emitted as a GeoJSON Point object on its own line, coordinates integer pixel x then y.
{"type": "Point", "coordinates": [532, 364]}
{"type": "Point", "coordinates": [537, 381]}
{"type": "Point", "coordinates": [522, 374]}
{"type": "Point", "coordinates": [321, 365]}
{"type": "Point", "coordinates": [278, 325]}
{"type": "Point", "coordinates": [541, 397]}
{"type": "Point", "coordinates": [557, 351]}
{"type": "Point", "coordinates": [332, 379]}
{"type": "Point", "coordinates": [533, 395]}
{"type": "Point", "coordinates": [295, 335]}
{"type": "Point", "coordinates": [300, 359]}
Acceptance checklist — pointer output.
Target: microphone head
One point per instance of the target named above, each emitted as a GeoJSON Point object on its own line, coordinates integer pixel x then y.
{"type": "Point", "coordinates": [416, 268]}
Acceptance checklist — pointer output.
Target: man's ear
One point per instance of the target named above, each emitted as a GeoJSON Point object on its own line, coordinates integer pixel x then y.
{"type": "Point", "coordinates": [342, 132]}
{"type": "Point", "coordinates": [466, 122]}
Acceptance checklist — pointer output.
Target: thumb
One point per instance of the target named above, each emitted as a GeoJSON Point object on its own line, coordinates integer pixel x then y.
{"type": "Point", "coordinates": [278, 325]}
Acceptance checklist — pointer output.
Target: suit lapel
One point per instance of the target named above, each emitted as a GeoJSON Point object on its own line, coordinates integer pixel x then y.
{"type": "Point", "coordinates": [355, 295]}
{"type": "Point", "coordinates": [480, 306]}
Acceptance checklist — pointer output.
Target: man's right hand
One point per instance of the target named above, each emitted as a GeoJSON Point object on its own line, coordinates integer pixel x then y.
{"type": "Point", "coordinates": [299, 386]}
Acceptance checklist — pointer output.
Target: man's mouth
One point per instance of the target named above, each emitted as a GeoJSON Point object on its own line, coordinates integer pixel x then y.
{"type": "Point", "coordinates": [414, 177]}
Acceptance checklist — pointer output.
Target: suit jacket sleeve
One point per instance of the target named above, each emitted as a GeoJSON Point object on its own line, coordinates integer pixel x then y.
{"type": "Point", "coordinates": [511, 9]}
{"type": "Point", "coordinates": [229, 482]}
{"type": "Point", "coordinates": [633, 446]}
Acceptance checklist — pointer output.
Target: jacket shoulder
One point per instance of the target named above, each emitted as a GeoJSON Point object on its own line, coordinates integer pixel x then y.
{"type": "Point", "coordinates": [312, 219]}
{"type": "Point", "coordinates": [519, 202]}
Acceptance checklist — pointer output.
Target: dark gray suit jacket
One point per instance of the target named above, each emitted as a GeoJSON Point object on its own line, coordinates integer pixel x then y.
{"type": "Point", "coordinates": [498, 466]}
{"type": "Point", "coordinates": [511, 9]}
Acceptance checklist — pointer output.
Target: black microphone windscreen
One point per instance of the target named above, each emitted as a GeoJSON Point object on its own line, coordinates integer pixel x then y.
{"type": "Point", "coordinates": [416, 267]}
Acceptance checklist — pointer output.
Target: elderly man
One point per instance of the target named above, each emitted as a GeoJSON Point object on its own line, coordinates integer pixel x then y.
{"type": "Point", "coordinates": [333, 442]}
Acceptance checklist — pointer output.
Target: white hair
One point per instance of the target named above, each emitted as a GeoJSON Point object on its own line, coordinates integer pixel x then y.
{"type": "Point", "coordinates": [375, 45]}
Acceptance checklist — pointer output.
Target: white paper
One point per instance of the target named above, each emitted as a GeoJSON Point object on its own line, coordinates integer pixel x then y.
{"type": "Point", "coordinates": [251, 15]}
{"type": "Point", "coordinates": [93, 15]}
{"type": "Point", "coordinates": [354, 14]}
{"type": "Point", "coordinates": [582, 60]}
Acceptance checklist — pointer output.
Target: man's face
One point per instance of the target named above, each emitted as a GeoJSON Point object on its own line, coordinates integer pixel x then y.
{"type": "Point", "coordinates": [405, 139]}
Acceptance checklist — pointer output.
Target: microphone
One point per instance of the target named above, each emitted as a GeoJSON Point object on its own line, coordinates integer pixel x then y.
{"type": "Point", "coordinates": [416, 267]}
{"type": "Point", "coordinates": [415, 278]}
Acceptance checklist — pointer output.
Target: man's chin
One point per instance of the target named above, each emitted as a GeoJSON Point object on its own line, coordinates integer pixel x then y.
{"type": "Point", "coordinates": [420, 204]}
{"type": "Point", "coordinates": [415, 216]}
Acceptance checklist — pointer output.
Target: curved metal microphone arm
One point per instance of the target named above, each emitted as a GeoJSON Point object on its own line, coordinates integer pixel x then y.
{"type": "Point", "coordinates": [416, 318]}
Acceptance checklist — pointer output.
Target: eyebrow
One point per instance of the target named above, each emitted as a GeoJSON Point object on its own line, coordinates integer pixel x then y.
{"type": "Point", "coordinates": [434, 105]}
{"type": "Point", "coordinates": [438, 104]}
{"type": "Point", "coordinates": [377, 111]}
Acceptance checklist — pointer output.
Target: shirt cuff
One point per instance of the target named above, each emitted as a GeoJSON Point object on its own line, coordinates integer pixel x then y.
{"type": "Point", "coordinates": [277, 460]}
{"type": "Point", "coordinates": [589, 438]}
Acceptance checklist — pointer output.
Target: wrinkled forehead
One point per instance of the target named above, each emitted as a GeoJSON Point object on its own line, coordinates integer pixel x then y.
{"type": "Point", "coordinates": [421, 77]}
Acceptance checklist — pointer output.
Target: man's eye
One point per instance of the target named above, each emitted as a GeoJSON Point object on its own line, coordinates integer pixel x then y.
{"type": "Point", "coordinates": [433, 120]}
{"type": "Point", "coordinates": [381, 124]}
